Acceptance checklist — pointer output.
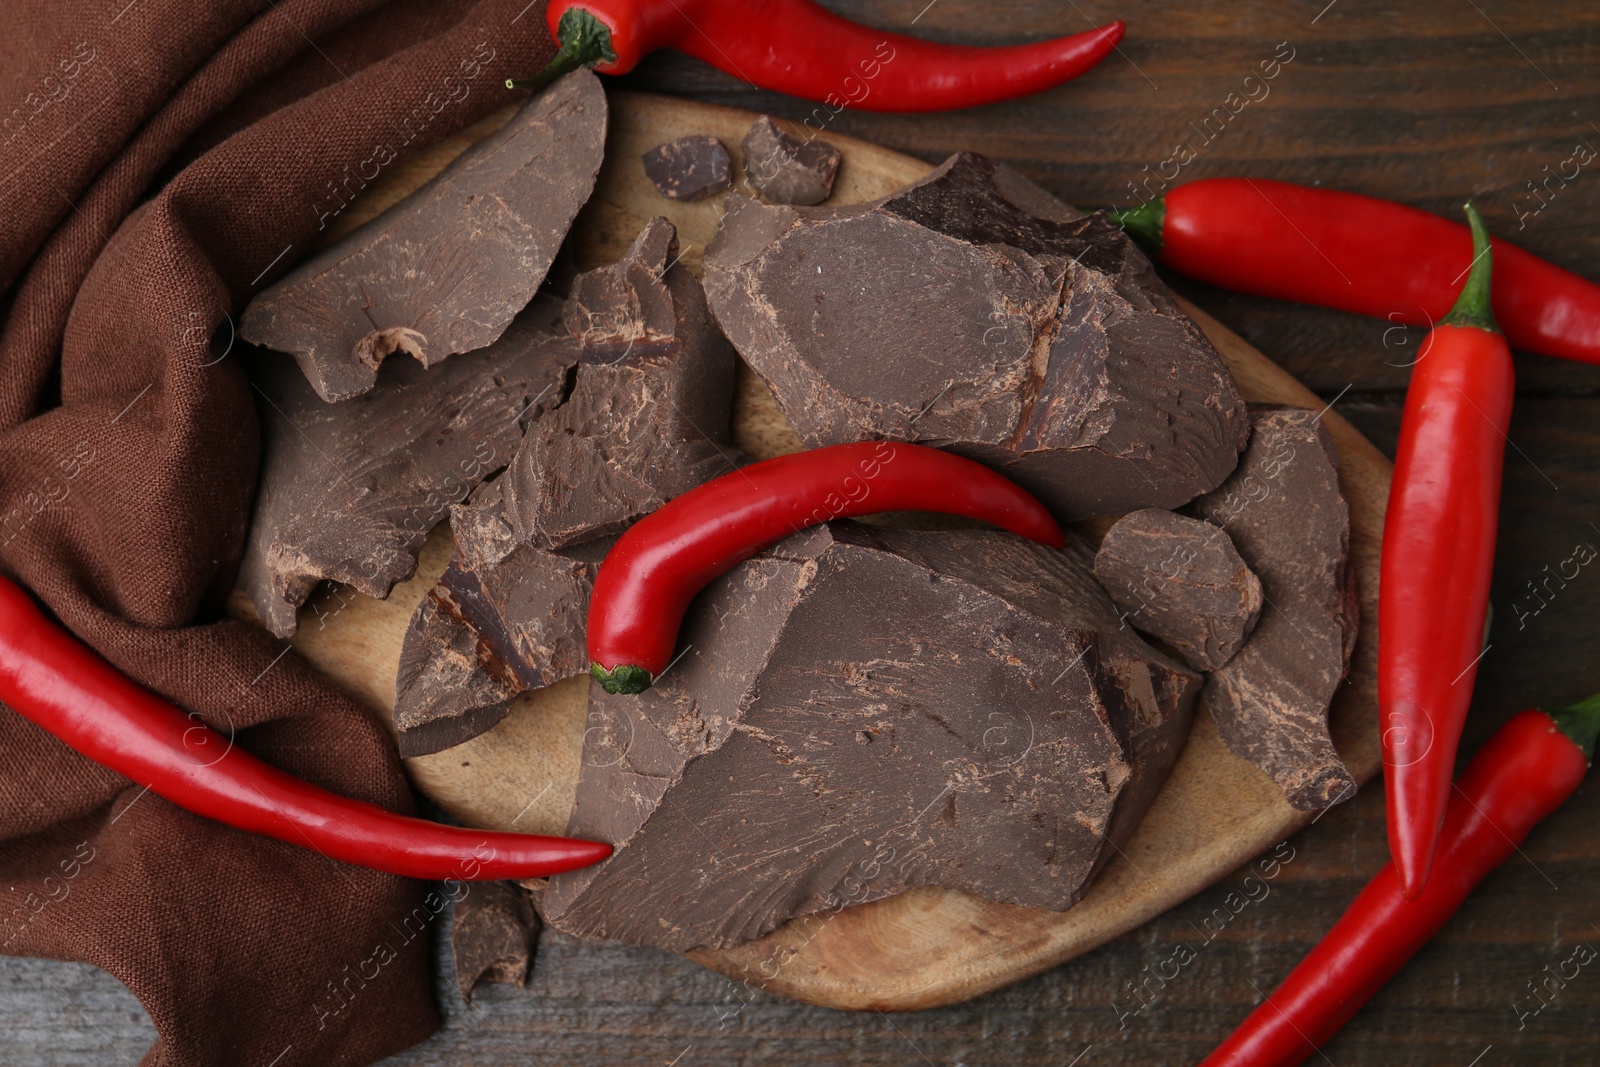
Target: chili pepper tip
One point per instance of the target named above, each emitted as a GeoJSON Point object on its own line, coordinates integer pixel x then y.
{"type": "Point", "coordinates": [1143, 223]}
{"type": "Point", "coordinates": [622, 679]}
{"type": "Point", "coordinates": [1472, 307]}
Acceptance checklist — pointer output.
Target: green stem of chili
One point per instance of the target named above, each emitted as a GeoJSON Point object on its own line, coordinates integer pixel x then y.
{"type": "Point", "coordinates": [1580, 722]}
{"type": "Point", "coordinates": [1143, 223]}
{"type": "Point", "coordinates": [1472, 307]}
{"type": "Point", "coordinates": [585, 42]}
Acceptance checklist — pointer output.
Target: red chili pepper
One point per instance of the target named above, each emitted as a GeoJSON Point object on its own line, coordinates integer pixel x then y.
{"type": "Point", "coordinates": [1438, 557]}
{"type": "Point", "coordinates": [1524, 772]}
{"type": "Point", "coordinates": [56, 682]}
{"type": "Point", "coordinates": [1356, 253]}
{"type": "Point", "coordinates": [648, 578]}
{"type": "Point", "coordinates": [801, 48]}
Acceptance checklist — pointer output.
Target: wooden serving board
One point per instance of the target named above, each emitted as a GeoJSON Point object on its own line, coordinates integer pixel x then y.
{"type": "Point", "coordinates": [927, 947]}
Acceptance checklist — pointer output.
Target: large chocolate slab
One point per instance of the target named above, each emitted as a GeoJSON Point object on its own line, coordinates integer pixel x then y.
{"type": "Point", "coordinates": [445, 270]}
{"type": "Point", "coordinates": [974, 311]}
{"type": "Point", "coordinates": [1182, 581]}
{"type": "Point", "coordinates": [1284, 512]}
{"type": "Point", "coordinates": [859, 711]}
{"type": "Point", "coordinates": [505, 617]}
{"type": "Point", "coordinates": [349, 491]}
{"type": "Point", "coordinates": [648, 416]}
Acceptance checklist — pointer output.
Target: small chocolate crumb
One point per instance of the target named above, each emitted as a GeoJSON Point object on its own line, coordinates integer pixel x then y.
{"type": "Point", "coordinates": [690, 168]}
{"type": "Point", "coordinates": [1180, 580]}
{"type": "Point", "coordinates": [494, 937]}
{"type": "Point", "coordinates": [786, 170]}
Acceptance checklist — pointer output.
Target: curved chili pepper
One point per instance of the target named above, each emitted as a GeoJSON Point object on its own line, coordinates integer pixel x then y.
{"type": "Point", "coordinates": [55, 681]}
{"type": "Point", "coordinates": [1524, 772]}
{"type": "Point", "coordinates": [648, 578]}
{"type": "Point", "coordinates": [801, 48]}
{"type": "Point", "coordinates": [1356, 253]}
{"type": "Point", "coordinates": [1438, 557]}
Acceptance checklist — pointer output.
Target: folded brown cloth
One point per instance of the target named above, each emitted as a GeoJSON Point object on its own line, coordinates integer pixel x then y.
{"type": "Point", "coordinates": [161, 161]}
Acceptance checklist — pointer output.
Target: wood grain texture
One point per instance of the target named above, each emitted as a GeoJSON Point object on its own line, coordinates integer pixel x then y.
{"type": "Point", "coordinates": [928, 947]}
{"type": "Point", "coordinates": [1422, 103]}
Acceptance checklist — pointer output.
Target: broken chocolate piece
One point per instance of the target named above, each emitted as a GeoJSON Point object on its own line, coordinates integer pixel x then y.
{"type": "Point", "coordinates": [786, 170]}
{"type": "Point", "coordinates": [1286, 516]}
{"type": "Point", "coordinates": [974, 311]}
{"type": "Point", "coordinates": [446, 269]}
{"type": "Point", "coordinates": [494, 936]}
{"type": "Point", "coordinates": [349, 491]}
{"type": "Point", "coordinates": [862, 710]}
{"type": "Point", "coordinates": [1182, 581]}
{"type": "Point", "coordinates": [690, 168]}
{"type": "Point", "coordinates": [504, 618]}
{"type": "Point", "coordinates": [647, 418]}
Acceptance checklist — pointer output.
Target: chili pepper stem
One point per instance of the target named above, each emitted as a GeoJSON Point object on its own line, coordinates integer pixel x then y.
{"type": "Point", "coordinates": [1143, 223]}
{"type": "Point", "coordinates": [1581, 723]}
{"type": "Point", "coordinates": [1472, 307]}
{"type": "Point", "coordinates": [585, 42]}
{"type": "Point", "coordinates": [624, 678]}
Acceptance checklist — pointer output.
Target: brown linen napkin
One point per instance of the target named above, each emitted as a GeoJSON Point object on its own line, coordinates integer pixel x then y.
{"type": "Point", "coordinates": [160, 161]}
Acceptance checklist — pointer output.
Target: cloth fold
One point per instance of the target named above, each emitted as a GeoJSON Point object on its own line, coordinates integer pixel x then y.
{"type": "Point", "coordinates": [160, 161]}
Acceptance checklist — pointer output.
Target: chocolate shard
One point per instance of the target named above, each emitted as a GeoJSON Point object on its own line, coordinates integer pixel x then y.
{"type": "Point", "coordinates": [973, 311]}
{"type": "Point", "coordinates": [1180, 580]}
{"type": "Point", "coordinates": [1285, 514]}
{"type": "Point", "coordinates": [446, 269]}
{"type": "Point", "coordinates": [860, 711]}
{"type": "Point", "coordinates": [349, 491]}
{"type": "Point", "coordinates": [647, 418]}
{"type": "Point", "coordinates": [505, 617]}
{"type": "Point", "coordinates": [690, 168]}
{"type": "Point", "coordinates": [786, 170]}
{"type": "Point", "coordinates": [494, 936]}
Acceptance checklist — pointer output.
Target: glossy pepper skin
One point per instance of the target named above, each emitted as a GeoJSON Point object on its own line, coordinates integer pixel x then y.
{"type": "Point", "coordinates": [803, 49]}
{"type": "Point", "coordinates": [646, 581]}
{"type": "Point", "coordinates": [1438, 558]}
{"type": "Point", "coordinates": [1356, 253]}
{"type": "Point", "coordinates": [58, 683]}
{"type": "Point", "coordinates": [1519, 777]}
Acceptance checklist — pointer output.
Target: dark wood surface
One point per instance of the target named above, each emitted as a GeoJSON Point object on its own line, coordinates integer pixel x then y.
{"type": "Point", "coordinates": [1422, 103]}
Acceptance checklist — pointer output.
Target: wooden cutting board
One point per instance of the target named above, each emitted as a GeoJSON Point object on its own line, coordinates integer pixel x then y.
{"type": "Point", "coordinates": [927, 947]}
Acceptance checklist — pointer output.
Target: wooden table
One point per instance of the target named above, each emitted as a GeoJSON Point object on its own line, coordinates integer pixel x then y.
{"type": "Point", "coordinates": [1426, 106]}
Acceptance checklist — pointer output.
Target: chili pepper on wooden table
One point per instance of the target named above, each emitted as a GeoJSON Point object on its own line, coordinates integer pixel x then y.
{"type": "Point", "coordinates": [646, 581]}
{"type": "Point", "coordinates": [1525, 771]}
{"type": "Point", "coordinates": [1438, 558]}
{"type": "Point", "coordinates": [801, 48]}
{"type": "Point", "coordinates": [54, 680]}
{"type": "Point", "coordinates": [1357, 253]}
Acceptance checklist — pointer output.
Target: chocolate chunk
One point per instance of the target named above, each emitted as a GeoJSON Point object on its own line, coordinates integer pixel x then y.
{"type": "Point", "coordinates": [505, 617]}
{"type": "Point", "coordinates": [494, 936]}
{"type": "Point", "coordinates": [349, 491]}
{"type": "Point", "coordinates": [1182, 581]}
{"type": "Point", "coordinates": [690, 168]}
{"type": "Point", "coordinates": [1286, 516]}
{"type": "Point", "coordinates": [859, 711]}
{"type": "Point", "coordinates": [974, 311]}
{"type": "Point", "coordinates": [786, 170]}
{"type": "Point", "coordinates": [446, 269]}
{"type": "Point", "coordinates": [648, 416]}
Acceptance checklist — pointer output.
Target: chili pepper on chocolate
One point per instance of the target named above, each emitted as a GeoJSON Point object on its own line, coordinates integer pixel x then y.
{"type": "Point", "coordinates": [1356, 253]}
{"type": "Point", "coordinates": [801, 48]}
{"type": "Point", "coordinates": [1522, 774]}
{"type": "Point", "coordinates": [55, 681]}
{"type": "Point", "coordinates": [646, 581]}
{"type": "Point", "coordinates": [1438, 557]}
